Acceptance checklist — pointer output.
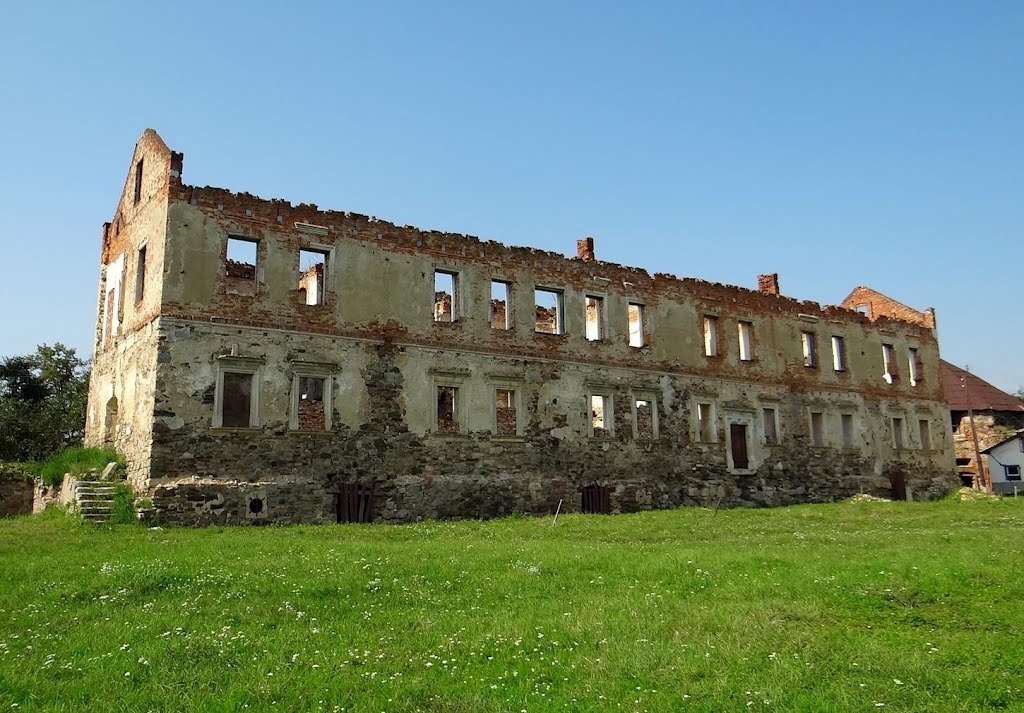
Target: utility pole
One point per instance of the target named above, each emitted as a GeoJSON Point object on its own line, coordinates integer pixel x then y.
{"type": "Point", "coordinates": [980, 476]}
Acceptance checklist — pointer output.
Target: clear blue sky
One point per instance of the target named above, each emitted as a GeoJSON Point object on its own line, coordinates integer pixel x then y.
{"type": "Point", "coordinates": [838, 144]}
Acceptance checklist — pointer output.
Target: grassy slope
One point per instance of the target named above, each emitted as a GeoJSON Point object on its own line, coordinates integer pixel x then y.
{"type": "Point", "coordinates": [817, 608]}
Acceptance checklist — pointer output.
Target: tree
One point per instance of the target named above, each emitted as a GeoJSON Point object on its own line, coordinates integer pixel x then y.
{"type": "Point", "coordinates": [42, 402]}
{"type": "Point", "coordinates": [1019, 393]}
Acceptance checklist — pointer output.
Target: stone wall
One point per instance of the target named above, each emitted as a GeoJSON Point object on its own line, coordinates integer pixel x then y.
{"type": "Point", "coordinates": [385, 437]}
{"type": "Point", "coordinates": [15, 491]}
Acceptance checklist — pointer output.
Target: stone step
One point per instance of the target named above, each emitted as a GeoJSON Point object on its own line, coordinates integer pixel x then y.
{"type": "Point", "coordinates": [94, 494]}
{"type": "Point", "coordinates": [94, 518]}
{"type": "Point", "coordinates": [95, 503]}
{"type": "Point", "coordinates": [95, 486]}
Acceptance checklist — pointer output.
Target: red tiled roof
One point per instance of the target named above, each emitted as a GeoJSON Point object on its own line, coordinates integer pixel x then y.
{"type": "Point", "coordinates": [964, 390]}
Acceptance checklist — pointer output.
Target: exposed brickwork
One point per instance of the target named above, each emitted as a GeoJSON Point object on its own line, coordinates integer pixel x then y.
{"type": "Point", "coordinates": [878, 306]}
{"type": "Point", "coordinates": [506, 417]}
{"type": "Point", "coordinates": [311, 415]}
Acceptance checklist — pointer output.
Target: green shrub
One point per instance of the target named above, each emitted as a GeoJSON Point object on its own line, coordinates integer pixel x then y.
{"type": "Point", "coordinates": [123, 509]}
{"type": "Point", "coordinates": [77, 461]}
{"type": "Point", "coordinates": [28, 471]}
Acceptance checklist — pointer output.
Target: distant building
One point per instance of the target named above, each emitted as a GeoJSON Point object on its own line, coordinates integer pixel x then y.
{"type": "Point", "coordinates": [259, 361]}
{"type": "Point", "coordinates": [997, 414]}
{"type": "Point", "coordinates": [1006, 463]}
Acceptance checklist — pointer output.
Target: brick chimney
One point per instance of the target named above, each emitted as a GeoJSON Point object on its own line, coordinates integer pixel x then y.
{"type": "Point", "coordinates": [769, 284]}
{"type": "Point", "coordinates": [585, 249]}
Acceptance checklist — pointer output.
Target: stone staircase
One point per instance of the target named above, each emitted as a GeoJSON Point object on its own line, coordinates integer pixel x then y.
{"type": "Point", "coordinates": [94, 499]}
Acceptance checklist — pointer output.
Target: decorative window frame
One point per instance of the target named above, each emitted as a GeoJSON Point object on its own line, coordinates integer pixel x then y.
{"type": "Point", "coordinates": [233, 364]}
{"type": "Point", "coordinates": [609, 410]}
{"type": "Point", "coordinates": [748, 419]}
{"type": "Point", "coordinates": [505, 383]}
{"type": "Point", "coordinates": [820, 411]}
{"type": "Point", "coordinates": [456, 379]}
{"type": "Point", "coordinates": [775, 419]}
{"type": "Point", "coordinates": [645, 395]}
{"type": "Point", "coordinates": [712, 419]}
{"type": "Point", "coordinates": [312, 370]}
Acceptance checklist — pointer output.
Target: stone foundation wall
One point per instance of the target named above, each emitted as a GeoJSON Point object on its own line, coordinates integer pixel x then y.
{"type": "Point", "coordinates": [385, 437]}
{"type": "Point", "coordinates": [15, 492]}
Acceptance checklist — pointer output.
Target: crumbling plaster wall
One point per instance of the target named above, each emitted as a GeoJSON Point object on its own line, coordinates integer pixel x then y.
{"type": "Point", "coordinates": [124, 366]}
{"type": "Point", "coordinates": [125, 372]}
{"type": "Point", "coordinates": [383, 397]}
{"type": "Point", "coordinates": [376, 328]}
{"type": "Point", "coordinates": [381, 277]}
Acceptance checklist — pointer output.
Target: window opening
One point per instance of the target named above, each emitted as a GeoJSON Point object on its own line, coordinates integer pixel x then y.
{"type": "Point", "coordinates": [710, 336]}
{"type": "Point", "coordinates": [838, 353]}
{"type": "Point", "coordinates": [505, 412]}
{"type": "Point", "coordinates": [447, 416]}
{"type": "Point", "coordinates": [817, 429]}
{"type": "Point", "coordinates": [738, 445]}
{"type": "Point", "coordinates": [705, 427]}
{"type": "Point", "coordinates": [915, 366]}
{"type": "Point", "coordinates": [140, 274]}
{"type": "Point", "coordinates": [445, 296]}
{"type": "Point", "coordinates": [807, 339]}
{"type": "Point", "coordinates": [312, 416]}
{"type": "Point", "coordinates": [644, 418]}
{"type": "Point", "coordinates": [313, 276]}
{"type": "Point", "coordinates": [240, 266]}
{"type": "Point", "coordinates": [888, 372]}
{"type": "Point", "coordinates": [548, 311]}
{"type": "Point", "coordinates": [599, 415]}
{"type": "Point", "coordinates": [236, 401]}
{"type": "Point", "coordinates": [501, 315]}
{"type": "Point", "coordinates": [771, 427]}
{"type": "Point", "coordinates": [1012, 472]}
{"type": "Point", "coordinates": [956, 417]}
{"type": "Point", "coordinates": [595, 317]}
{"type": "Point", "coordinates": [138, 181]}
{"type": "Point", "coordinates": [746, 335]}
{"type": "Point", "coordinates": [636, 324]}
{"type": "Point", "coordinates": [925, 429]}
{"type": "Point", "coordinates": [110, 422]}
{"type": "Point", "coordinates": [897, 432]}
{"type": "Point", "coordinates": [846, 421]}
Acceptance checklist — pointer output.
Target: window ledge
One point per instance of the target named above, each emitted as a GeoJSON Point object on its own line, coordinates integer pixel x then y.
{"type": "Point", "coordinates": [301, 432]}
{"type": "Point", "coordinates": [220, 430]}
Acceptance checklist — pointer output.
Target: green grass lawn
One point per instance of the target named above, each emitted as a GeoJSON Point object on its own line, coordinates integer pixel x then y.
{"type": "Point", "coordinates": [851, 606]}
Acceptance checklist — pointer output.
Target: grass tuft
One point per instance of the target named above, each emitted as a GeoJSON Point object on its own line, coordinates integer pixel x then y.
{"type": "Point", "coordinates": [77, 461]}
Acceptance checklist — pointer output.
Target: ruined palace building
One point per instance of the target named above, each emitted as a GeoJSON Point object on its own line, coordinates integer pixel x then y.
{"type": "Point", "coordinates": [258, 361]}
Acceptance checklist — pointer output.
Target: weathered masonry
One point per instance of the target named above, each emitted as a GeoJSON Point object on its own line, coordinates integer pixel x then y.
{"type": "Point", "coordinates": [261, 362]}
